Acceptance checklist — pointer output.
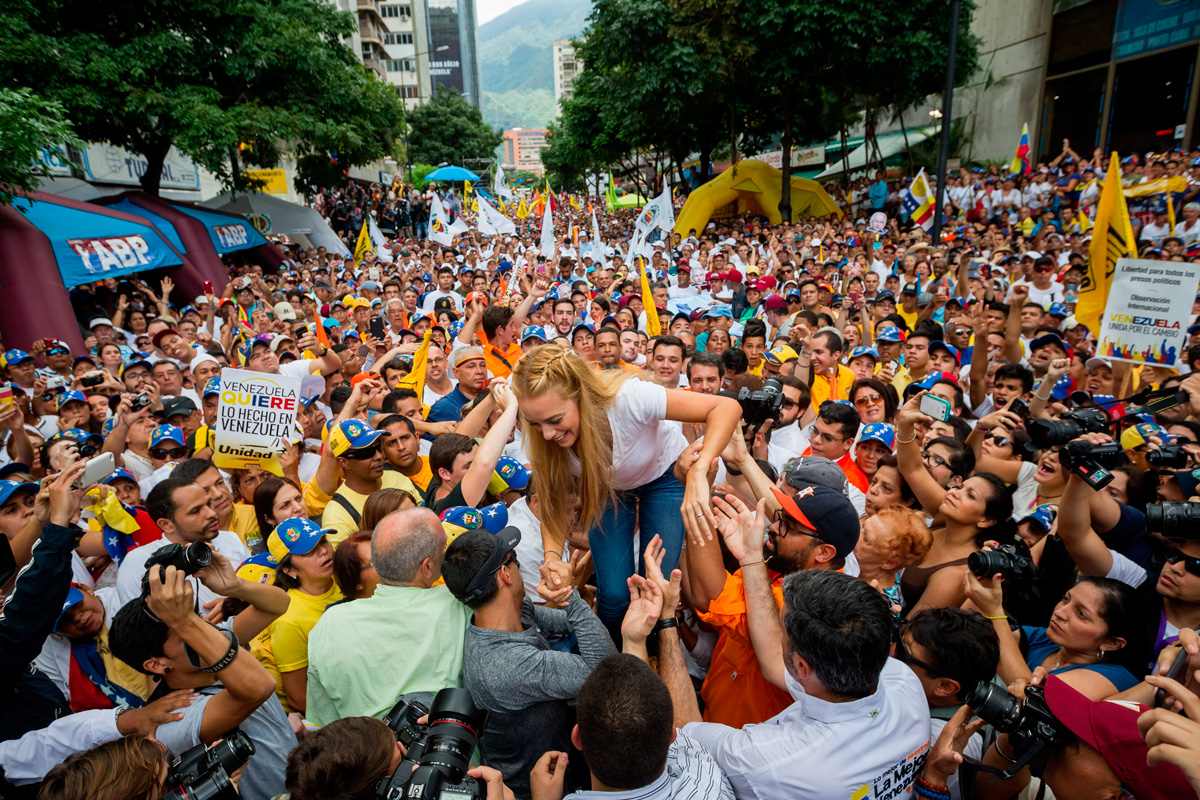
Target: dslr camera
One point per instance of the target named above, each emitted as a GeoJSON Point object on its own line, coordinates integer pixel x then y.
{"type": "Point", "coordinates": [1012, 561]}
{"type": "Point", "coordinates": [762, 405]}
{"type": "Point", "coordinates": [1046, 433]}
{"type": "Point", "coordinates": [203, 773]}
{"type": "Point", "coordinates": [189, 559]}
{"type": "Point", "coordinates": [440, 751]}
{"type": "Point", "coordinates": [1033, 732]}
{"type": "Point", "coordinates": [1177, 521]}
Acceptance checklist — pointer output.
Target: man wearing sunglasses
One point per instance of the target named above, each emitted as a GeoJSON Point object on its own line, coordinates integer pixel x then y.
{"type": "Point", "coordinates": [359, 453]}
{"type": "Point", "coordinates": [509, 665]}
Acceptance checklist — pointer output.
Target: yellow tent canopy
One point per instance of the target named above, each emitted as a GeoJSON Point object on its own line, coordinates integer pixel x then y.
{"type": "Point", "coordinates": [630, 200]}
{"type": "Point", "coordinates": [755, 187]}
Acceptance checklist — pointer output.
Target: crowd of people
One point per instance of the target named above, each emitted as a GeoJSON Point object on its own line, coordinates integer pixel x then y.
{"type": "Point", "coordinates": [821, 512]}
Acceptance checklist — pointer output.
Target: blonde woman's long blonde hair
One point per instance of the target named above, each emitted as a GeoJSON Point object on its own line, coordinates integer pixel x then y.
{"type": "Point", "coordinates": [554, 368]}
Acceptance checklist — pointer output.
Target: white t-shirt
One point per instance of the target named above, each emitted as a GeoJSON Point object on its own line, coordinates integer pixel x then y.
{"type": "Point", "coordinates": [438, 294]}
{"type": "Point", "coordinates": [129, 576]}
{"type": "Point", "coordinates": [313, 383]}
{"type": "Point", "coordinates": [877, 743]}
{"type": "Point", "coordinates": [645, 445]}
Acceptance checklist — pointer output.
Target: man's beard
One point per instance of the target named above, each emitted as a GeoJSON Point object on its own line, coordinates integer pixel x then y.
{"type": "Point", "coordinates": [786, 565]}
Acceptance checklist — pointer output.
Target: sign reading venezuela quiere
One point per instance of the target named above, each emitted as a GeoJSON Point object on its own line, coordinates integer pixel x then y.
{"type": "Point", "coordinates": [256, 419]}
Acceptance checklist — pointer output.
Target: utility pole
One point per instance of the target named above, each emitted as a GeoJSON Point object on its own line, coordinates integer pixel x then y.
{"type": "Point", "coordinates": [947, 117]}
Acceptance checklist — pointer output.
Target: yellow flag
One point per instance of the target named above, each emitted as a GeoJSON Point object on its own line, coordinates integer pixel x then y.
{"type": "Point", "coordinates": [415, 379]}
{"type": "Point", "coordinates": [364, 244]}
{"type": "Point", "coordinates": [1112, 238]}
{"type": "Point", "coordinates": [467, 188]}
{"type": "Point", "coordinates": [574, 203]}
{"type": "Point", "coordinates": [522, 209]}
{"type": "Point", "coordinates": [652, 327]}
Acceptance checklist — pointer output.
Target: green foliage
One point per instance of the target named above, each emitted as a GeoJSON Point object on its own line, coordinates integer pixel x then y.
{"type": "Point", "coordinates": [205, 76]}
{"type": "Point", "coordinates": [29, 125]}
{"type": "Point", "coordinates": [449, 129]}
{"type": "Point", "coordinates": [419, 171]}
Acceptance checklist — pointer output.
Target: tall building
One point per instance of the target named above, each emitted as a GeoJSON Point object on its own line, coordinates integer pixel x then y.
{"type": "Point", "coordinates": [405, 67]}
{"type": "Point", "coordinates": [523, 149]}
{"type": "Point", "coordinates": [566, 67]}
{"type": "Point", "coordinates": [453, 51]}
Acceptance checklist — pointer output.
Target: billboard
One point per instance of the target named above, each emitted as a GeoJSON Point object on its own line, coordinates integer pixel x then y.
{"type": "Point", "coordinates": [445, 66]}
{"type": "Point", "coordinates": [1144, 26]}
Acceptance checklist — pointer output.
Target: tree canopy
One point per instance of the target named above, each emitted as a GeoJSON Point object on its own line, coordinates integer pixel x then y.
{"type": "Point", "coordinates": [227, 82]}
{"type": "Point", "coordinates": [30, 127]}
{"type": "Point", "coordinates": [449, 129]}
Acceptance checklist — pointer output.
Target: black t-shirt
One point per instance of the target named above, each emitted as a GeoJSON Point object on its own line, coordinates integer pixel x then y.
{"type": "Point", "coordinates": [455, 498]}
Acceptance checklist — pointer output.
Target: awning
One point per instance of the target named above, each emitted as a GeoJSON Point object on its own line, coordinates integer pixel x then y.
{"type": "Point", "coordinates": [93, 245]}
{"type": "Point", "coordinates": [228, 233]}
{"type": "Point", "coordinates": [273, 216]}
{"type": "Point", "coordinates": [889, 145]}
{"type": "Point", "coordinates": [163, 225]}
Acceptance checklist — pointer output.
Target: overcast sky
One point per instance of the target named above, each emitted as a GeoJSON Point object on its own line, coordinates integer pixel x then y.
{"type": "Point", "coordinates": [486, 10]}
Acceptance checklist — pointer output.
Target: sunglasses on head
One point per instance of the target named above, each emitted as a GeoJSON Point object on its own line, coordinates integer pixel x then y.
{"type": "Point", "coordinates": [1191, 564]}
{"type": "Point", "coordinates": [903, 654]}
{"type": "Point", "coordinates": [165, 454]}
{"type": "Point", "coordinates": [1000, 441]}
{"type": "Point", "coordinates": [362, 453]}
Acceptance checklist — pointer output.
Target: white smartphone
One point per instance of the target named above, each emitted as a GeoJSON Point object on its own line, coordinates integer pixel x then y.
{"type": "Point", "coordinates": [936, 407]}
{"type": "Point", "coordinates": [97, 469]}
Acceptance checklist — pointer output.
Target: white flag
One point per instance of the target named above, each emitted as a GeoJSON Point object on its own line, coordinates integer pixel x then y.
{"type": "Point", "coordinates": [597, 245]}
{"type": "Point", "coordinates": [658, 213]}
{"type": "Point", "coordinates": [500, 187]}
{"type": "Point", "coordinates": [378, 241]}
{"type": "Point", "coordinates": [439, 227]}
{"type": "Point", "coordinates": [491, 221]}
{"type": "Point", "coordinates": [547, 243]}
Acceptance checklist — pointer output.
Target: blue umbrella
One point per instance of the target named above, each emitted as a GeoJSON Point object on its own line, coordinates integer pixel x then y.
{"type": "Point", "coordinates": [452, 174]}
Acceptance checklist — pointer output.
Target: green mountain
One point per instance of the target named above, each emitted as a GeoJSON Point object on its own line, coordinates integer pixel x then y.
{"type": "Point", "coordinates": [516, 60]}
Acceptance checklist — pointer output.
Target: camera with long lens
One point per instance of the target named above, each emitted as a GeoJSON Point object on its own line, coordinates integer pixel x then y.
{"type": "Point", "coordinates": [1177, 521]}
{"type": "Point", "coordinates": [189, 559]}
{"type": "Point", "coordinates": [1092, 462]}
{"type": "Point", "coordinates": [1033, 732]}
{"type": "Point", "coordinates": [402, 719]}
{"type": "Point", "coordinates": [1012, 562]}
{"type": "Point", "coordinates": [202, 773]}
{"type": "Point", "coordinates": [762, 405]}
{"type": "Point", "coordinates": [1168, 456]}
{"type": "Point", "coordinates": [440, 751]}
{"type": "Point", "coordinates": [1044, 433]}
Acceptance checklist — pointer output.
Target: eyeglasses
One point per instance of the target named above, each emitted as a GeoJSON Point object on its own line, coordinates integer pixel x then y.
{"type": "Point", "coordinates": [362, 453]}
{"type": "Point", "coordinates": [933, 459]}
{"type": "Point", "coordinates": [902, 654]}
{"type": "Point", "coordinates": [963, 331]}
{"type": "Point", "coordinates": [1192, 565]}
{"type": "Point", "coordinates": [512, 559]}
{"type": "Point", "coordinates": [864, 400]}
{"type": "Point", "coordinates": [790, 403]}
{"type": "Point", "coordinates": [827, 437]}
{"type": "Point", "coordinates": [164, 454]}
{"type": "Point", "coordinates": [785, 523]}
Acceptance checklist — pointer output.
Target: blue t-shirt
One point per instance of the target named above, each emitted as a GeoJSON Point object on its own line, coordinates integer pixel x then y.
{"type": "Point", "coordinates": [449, 408]}
{"type": "Point", "coordinates": [1040, 647]}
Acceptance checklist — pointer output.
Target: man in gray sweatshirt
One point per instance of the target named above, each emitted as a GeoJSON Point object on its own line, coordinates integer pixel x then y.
{"type": "Point", "coordinates": [508, 663]}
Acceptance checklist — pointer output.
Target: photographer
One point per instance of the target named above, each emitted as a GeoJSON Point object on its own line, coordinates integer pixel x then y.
{"type": "Point", "coordinates": [508, 664]}
{"type": "Point", "coordinates": [161, 635]}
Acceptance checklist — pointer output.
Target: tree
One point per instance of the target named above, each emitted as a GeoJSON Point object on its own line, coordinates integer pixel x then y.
{"type": "Point", "coordinates": [227, 82]}
{"type": "Point", "coordinates": [30, 127]}
{"type": "Point", "coordinates": [449, 129]}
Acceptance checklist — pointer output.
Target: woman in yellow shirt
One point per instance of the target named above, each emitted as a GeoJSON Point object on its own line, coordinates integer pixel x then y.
{"type": "Point", "coordinates": [305, 570]}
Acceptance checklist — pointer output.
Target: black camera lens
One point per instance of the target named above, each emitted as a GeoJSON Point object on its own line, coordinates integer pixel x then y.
{"type": "Point", "coordinates": [195, 557]}
{"type": "Point", "coordinates": [995, 706]}
{"type": "Point", "coordinates": [1176, 521]}
{"type": "Point", "coordinates": [232, 751]}
{"type": "Point", "coordinates": [455, 726]}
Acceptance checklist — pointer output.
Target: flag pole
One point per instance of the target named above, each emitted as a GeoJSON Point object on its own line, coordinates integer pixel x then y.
{"type": "Point", "coordinates": [947, 108]}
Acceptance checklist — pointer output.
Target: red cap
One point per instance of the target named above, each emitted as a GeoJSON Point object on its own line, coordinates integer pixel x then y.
{"type": "Point", "coordinates": [733, 275]}
{"type": "Point", "coordinates": [1111, 728]}
{"type": "Point", "coordinates": [714, 276]}
{"type": "Point", "coordinates": [769, 281]}
{"type": "Point", "coordinates": [775, 303]}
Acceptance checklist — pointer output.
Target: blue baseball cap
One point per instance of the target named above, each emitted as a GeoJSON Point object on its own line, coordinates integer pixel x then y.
{"type": "Point", "coordinates": [74, 597]}
{"type": "Point", "coordinates": [509, 475]}
{"type": "Point", "coordinates": [938, 344]}
{"type": "Point", "coordinates": [1043, 515]}
{"type": "Point", "coordinates": [892, 334]}
{"type": "Point", "coordinates": [533, 332]}
{"type": "Point", "coordinates": [352, 434]}
{"type": "Point", "coordinates": [1047, 339]}
{"type": "Point", "coordinates": [885, 294]}
{"type": "Point", "coordinates": [863, 350]}
{"type": "Point", "coordinates": [455, 327]}
{"type": "Point", "coordinates": [213, 386]}
{"type": "Point", "coordinates": [295, 536]}
{"type": "Point", "coordinates": [120, 473]}
{"type": "Point", "coordinates": [247, 348]}
{"type": "Point", "coordinates": [495, 517]}
{"type": "Point", "coordinates": [330, 322]}
{"type": "Point", "coordinates": [70, 396]}
{"type": "Point", "coordinates": [880, 432]}
{"type": "Point", "coordinates": [10, 488]}
{"type": "Point", "coordinates": [167, 433]}
{"type": "Point", "coordinates": [259, 568]}
{"type": "Point", "coordinates": [719, 311]}
{"type": "Point", "coordinates": [1058, 310]}
{"type": "Point", "coordinates": [77, 435]}
{"type": "Point", "coordinates": [13, 357]}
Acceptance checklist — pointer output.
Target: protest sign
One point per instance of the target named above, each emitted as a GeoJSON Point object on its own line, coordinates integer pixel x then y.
{"type": "Point", "coordinates": [256, 419]}
{"type": "Point", "coordinates": [1149, 307]}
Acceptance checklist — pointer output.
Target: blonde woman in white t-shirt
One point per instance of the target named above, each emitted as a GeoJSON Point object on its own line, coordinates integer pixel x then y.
{"type": "Point", "coordinates": [606, 439]}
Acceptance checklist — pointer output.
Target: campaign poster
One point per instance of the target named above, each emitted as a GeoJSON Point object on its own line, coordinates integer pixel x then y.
{"type": "Point", "coordinates": [256, 419]}
{"type": "Point", "coordinates": [1149, 307]}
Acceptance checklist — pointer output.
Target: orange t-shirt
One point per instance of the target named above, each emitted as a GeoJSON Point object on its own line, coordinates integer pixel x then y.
{"type": "Point", "coordinates": [500, 362]}
{"type": "Point", "coordinates": [735, 692]}
{"type": "Point", "coordinates": [854, 475]}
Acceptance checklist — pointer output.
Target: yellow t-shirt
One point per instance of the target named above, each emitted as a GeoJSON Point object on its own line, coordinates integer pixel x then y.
{"type": "Point", "coordinates": [909, 319]}
{"type": "Point", "coordinates": [245, 525]}
{"type": "Point", "coordinates": [289, 633]}
{"type": "Point", "coordinates": [339, 518]}
{"type": "Point", "coordinates": [835, 387]}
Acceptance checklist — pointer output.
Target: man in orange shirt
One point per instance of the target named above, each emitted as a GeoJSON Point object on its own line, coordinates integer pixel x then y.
{"type": "Point", "coordinates": [501, 330]}
{"type": "Point", "coordinates": [814, 529]}
{"type": "Point", "coordinates": [832, 437]}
